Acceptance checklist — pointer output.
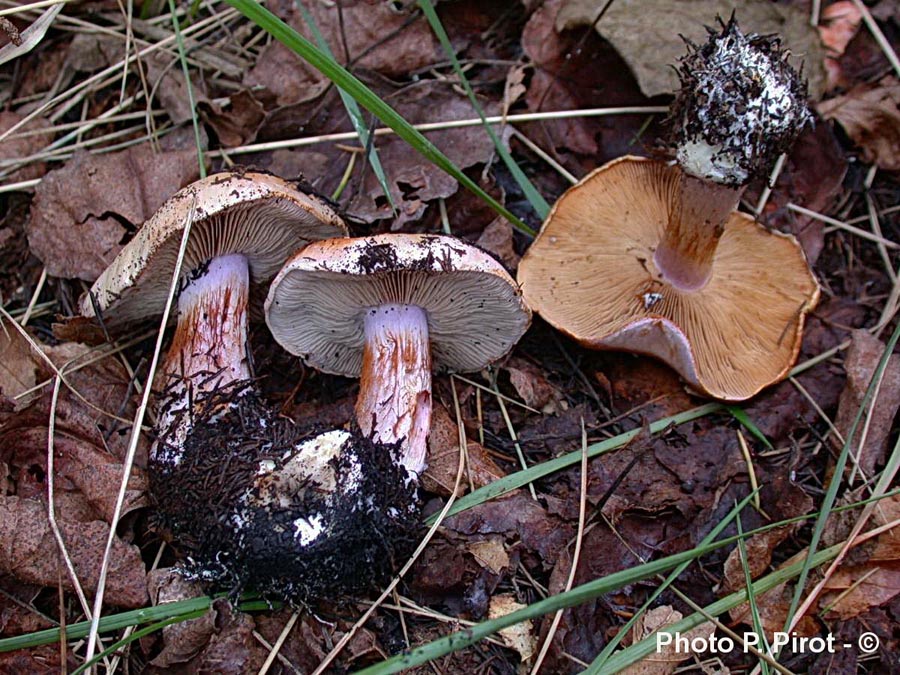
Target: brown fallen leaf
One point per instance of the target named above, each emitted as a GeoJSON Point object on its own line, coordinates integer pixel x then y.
{"type": "Point", "coordinates": [838, 25]}
{"type": "Point", "coordinates": [166, 78]}
{"type": "Point", "coordinates": [870, 115]}
{"type": "Point", "coordinates": [184, 640]}
{"type": "Point", "coordinates": [19, 146]}
{"type": "Point", "coordinates": [860, 363]}
{"type": "Point", "coordinates": [17, 367]}
{"type": "Point", "coordinates": [490, 553]}
{"type": "Point", "coordinates": [517, 515]}
{"type": "Point", "coordinates": [236, 123]}
{"type": "Point", "coordinates": [29, 551]}
{"type": "Point", "coordinates": [530, 384]}
{"type": "Point", "coordinates": [858, 585]}
{"type": "Point", "coordinates": [412, 182]}
{"type": "Point", "coordinates": [651, 46]}
{"type": "Point", "coordinates": [85, 211]}
{"type": "Point", "coordinates": [519, 636]}
{"type": "Point", "coordinates": [373, 36]}
{"type": "Point", "coordinates": [497, 239]}
{"type": "Point", "coordinates": [666, 659]}
{"type": "Point", "coordinates": [443, 458]}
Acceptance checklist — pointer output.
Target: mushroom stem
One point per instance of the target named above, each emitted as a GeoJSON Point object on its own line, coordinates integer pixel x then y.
{"type": "Point", "coordinates": [209, 348]}
{"type": "Point", "coordinates": [394, 401]}
{"type": "Point", "coordinates": [685, 253]}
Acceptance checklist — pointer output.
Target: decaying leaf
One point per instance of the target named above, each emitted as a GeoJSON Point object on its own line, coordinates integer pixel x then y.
{"type": "Point", "coordinates": [860, 363]}
{"type": "Point", "coordinates": [870, 115]}
{"type": "Point", "coordinates": [651, 46]}
{"type": "Point", "coordinates": [376, 36]}
{"type": "Point", "coordinates": [414, 183]}
{"type": "Point", "coordinates": [19, 146]}
{"type": "Point", "coordinates": [443, 458]}
{"type": "Point", "coordinates": [519, 636]}
{"type": "Point", "coordinates": [184, 640]}
{"type": "Point", "coordinates": [858, 586]}
{"type": "Point", "coordinates": [16, 363]}
{"type": "Point", "coordinates": [497, 238]}
{"type": "Point", "coordinates": [490, 553]}
{"type": "Point", "coordinates": [85, 211]}
{"type": "Point", "coordinates": [530, 383]}
{"type": "Point", "coordinates": [29, 552]}
{"type": "Point", "coordinates": [666, 659]}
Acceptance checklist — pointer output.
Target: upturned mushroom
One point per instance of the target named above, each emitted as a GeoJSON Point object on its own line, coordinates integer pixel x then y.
{"type": "Point", "coordinates": [244, 225]}
{"type": "Point", "coordinates": [215, 438]}
{"type": "Point", "coordinates": [652, 258]}
{"type": "Point", "coordinates": [389, 309]}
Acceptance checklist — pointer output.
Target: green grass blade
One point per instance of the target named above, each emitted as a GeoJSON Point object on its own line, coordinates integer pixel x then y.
{"type": "Point", "coordinates": [754, 608]}
{"type": "Point", "coordinates": [185, 607]}
{"type": "Point", "coordinates": [647, 646]}
{"type": "Point", "coordinates": [838, 476]}
{"type": "Point", "coordinates": [136, 635]}
{"type": "Point", "coordinates": [278, 29]}
{"type": "Point", "coordinates": [182, 608]}
{"type": "Point", "coordinates": [537, 201]}
{"type": "Point", "coordinates": [353, 112]}
{"type": "Point", "coordinates": [741, 416]}
{"type": "Point", "coordinates": [625, 630]}
{"type": "Point", "coordinates": [583, 593]}
{"type": "Point", "coordinates": [520, 478]}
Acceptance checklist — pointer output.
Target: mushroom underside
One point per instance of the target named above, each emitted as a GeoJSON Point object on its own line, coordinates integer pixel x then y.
{"type": "Point", "coordinates": [135, 287]}
{"type": "Point", "coordinates": [333, 306]}
{"type": "Point", "coordinates": [592, 274]}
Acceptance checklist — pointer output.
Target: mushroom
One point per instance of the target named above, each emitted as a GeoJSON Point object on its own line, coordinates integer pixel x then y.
{"type": "Point", "coordinates": [648, 257]}
{"type": "Point", "coordinates": [388, 309]}
{"type": "Point", "coordinates": [216, 439]}
{"type": "Point", "coordinates": [243, 227]}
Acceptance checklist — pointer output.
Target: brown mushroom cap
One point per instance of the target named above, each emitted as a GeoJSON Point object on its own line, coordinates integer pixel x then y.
{"type": "Point", "coordinates": [591, 274]}
{"type": "Point", "coordinates": [260, 216]}
{"type": "Point", "coordinates": [318, 302]}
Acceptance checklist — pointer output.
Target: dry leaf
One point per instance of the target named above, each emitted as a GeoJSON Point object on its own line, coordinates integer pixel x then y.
{"type": "Point", "coordinates": [85, 211]}
{"type": "Point", "coordinates": [443, 458]}
{"type": "Point", "coordinates": [490, 553]}
{"type": "Point", "coordinates": [519, 636]}
{"type": "Point", "coordinates": [17, 368]}
{"type": "Point", "coordinates": [29, 552]}
{"type": "Point", "coordinates": [413, 182]}
{"type": "Point", "coordinates": [377, 37]}
{"type": "Point", "coordinates": [860, 363]}
{"type": "Point", "coordinates": [869, 114]}
{"type": "Point", "coordinates": [666, 659]}
{"type": "Point", "coordinates": [181, 641]}
{"type": "Point", "coordinates": [647, 33]}
{"type": "Point", "coordinates": [856, 588]}
{"type": "Point", "coordinates": [18, 146]}
{"type": "Point", "coordinates": [497, 239]}
{"type": "Point", "coordinates": [530, 384]}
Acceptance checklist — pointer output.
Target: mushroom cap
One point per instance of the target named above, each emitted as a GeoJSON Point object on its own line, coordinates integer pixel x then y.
{"type": "Point", "coordinates": [591, 274]}
{"type": "Point", "coordinates": [317, 304]}
{"type": "Point", "coordinates": [260, 216]}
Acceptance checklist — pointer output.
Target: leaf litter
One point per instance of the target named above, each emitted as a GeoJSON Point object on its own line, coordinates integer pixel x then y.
{"type": "Point", "coordinates": [656, 495]}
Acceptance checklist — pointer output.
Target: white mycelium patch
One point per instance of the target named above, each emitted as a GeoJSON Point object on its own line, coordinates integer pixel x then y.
{"type": "Point", "coordinates": [740, 105]}
{"type": "Point", "coordinates": [307, 530]}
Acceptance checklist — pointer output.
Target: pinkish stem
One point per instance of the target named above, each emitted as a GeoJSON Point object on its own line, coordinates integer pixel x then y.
{"type": "Point", "coordinates": [394, 401]}
{"type": "Point", "coordinates": [696, 222]}
{"type": "Point", "coordinates": [209, 348]}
